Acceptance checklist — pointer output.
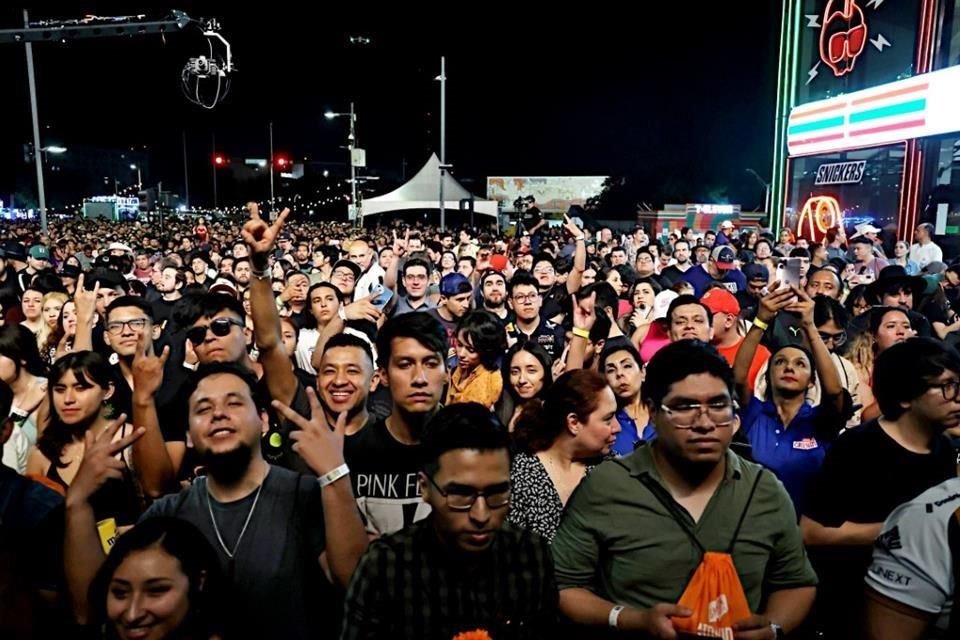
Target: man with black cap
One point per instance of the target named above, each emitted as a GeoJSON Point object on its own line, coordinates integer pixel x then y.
{"type": "Point", "coordinates": [719, 268]}
{"type": "Point", "coordinates": [493, 296]}
{"type": "Point", "coordinates": [344, 277]}
{"type": "Point", "coordinates": [456, 293]}
{"type": "Point", "coordinates": [757, 277]}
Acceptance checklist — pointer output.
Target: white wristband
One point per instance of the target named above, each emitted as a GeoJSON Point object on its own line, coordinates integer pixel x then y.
{"type": "Point", "coordinates": [614, 616]}
{"type": "Point", "coordinates": [332, 476]}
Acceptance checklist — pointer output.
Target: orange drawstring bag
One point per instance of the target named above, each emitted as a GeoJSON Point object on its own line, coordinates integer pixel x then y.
{"type": "Point", "coordinates": [714, 593]}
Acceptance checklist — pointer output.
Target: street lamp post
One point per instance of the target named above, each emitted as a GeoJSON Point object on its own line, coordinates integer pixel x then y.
{"type": "Point", "coordinates": [136, 167]}
{"type": "Point", "coordinates": [351, 143]}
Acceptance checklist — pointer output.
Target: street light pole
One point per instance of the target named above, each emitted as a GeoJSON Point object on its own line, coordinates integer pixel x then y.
{"type": "Point", "coordinates": [37, 157]}
{"type": "Point", "coordinates": [353, 167]}
{"type": "Point", "coordinates": [272, 168]}
{"type": "Point", "coordinates": [136, 167]}
{"type": "Point", "coordinates": [213, 141]}
{"type": "Point", "coordinates": [443, 140]}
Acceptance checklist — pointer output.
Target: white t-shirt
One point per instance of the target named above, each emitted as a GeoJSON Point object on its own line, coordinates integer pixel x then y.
{"type": "Point", "coordinates": [306, 344]}
{"type": "Point", "coordinates": [912, 561]}
{"type": "Point", "coordinates": [925, 254]}
{"type": "Point", "coordinates": [16, 451]}
{"type": "Point", "coordinates": [374, 275]}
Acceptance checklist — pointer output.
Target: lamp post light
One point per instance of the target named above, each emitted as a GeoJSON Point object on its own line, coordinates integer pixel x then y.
{"type": "Point", "coordinates": [351, 143]}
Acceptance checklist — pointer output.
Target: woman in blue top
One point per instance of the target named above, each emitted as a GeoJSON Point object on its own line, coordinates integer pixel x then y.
{"type": "Point", "coordinates": [785, 432]}
{"type": "Point", "coordinates": [623, 367]}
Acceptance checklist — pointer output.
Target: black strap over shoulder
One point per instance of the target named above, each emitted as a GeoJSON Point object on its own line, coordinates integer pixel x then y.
{"type": "Point", "coordinates": [668, 502]}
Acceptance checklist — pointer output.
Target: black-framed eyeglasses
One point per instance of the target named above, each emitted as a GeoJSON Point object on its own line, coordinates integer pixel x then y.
{"type": "Point", "coordinates": [838, 338]}
{"type": "Point", "coordinates": [463, 499]}
{"type": "Point", "coordinates": [219, 327]}
{"type": "Point", "coordinates": [683, 416]}
{"type": "Point", "coordinates": [115, 328]}
{"type": "Point", "coordinates": [949, 389]}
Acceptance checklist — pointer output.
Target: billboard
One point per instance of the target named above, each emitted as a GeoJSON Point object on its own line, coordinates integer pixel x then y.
{"type": "Point", "coordinates": [551, 194]}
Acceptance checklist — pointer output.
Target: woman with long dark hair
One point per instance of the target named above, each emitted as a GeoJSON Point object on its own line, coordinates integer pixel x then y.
{"type": "Point", "coordinates": [161, 581]}
{"type": "Point", "coordinates": [79, 386]}
{"type": "Point", "coordinates": [557, 445]}
{"type": "Point", "coordinates": [527, 372]}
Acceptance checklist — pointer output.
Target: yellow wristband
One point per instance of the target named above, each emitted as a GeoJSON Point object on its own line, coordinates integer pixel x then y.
{"type": "Point", "coordinates": [581, 333]}
{"type": "Point", "coordinates": [761, 324]}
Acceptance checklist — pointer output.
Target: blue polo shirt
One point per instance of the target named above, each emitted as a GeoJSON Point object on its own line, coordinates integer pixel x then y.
{"type": "Point", "coordinates": [629, 435]}
{"type": "Point", "coordinates": [794, 453]}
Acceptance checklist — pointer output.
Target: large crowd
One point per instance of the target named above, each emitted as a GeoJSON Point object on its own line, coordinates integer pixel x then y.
{"type": "Point", "coordinates": [281, 429]}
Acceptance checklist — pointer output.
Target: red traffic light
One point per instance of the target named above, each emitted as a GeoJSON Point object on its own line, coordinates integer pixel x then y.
{"type": "Point", "coordinates": [219, 160]}
{"type": "Point", "coordinates": [282, 161]}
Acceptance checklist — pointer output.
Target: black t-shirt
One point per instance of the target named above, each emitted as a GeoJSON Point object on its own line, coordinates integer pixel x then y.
{"type": "Point", "coordinates": [671, 276]}
{"type": "Point", "coordinates": [865, 476]}
{"type": "Point", "coordinates": [934, 313]}
{"type": "Point", "coordinates": [552, 337]}
{"type": "Point", "coordinates": [280, 589]}
{"type": "Point", "coordinates": [384, 476]}
{"type": "Point", "coordinates": [163, 311]}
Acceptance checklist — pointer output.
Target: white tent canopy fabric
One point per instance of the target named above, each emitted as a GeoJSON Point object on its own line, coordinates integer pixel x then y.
{"type": "Point", "coordinates": [422, 191]}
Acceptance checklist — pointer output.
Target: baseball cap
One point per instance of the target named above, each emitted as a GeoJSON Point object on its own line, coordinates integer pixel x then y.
{"type": "Point", "coordinates": [723, 256]}
{"type": "Point", "coordinates": [346, 264]}
{"type": "Point", "coordinates": [661, 303]}
{"type": "Point", "coordinates": [453, 284]}
{"type": "Point", "coordinates": [70, 271]}
{"type": "Point", "coordinates": [720, 300]}
{"type": "Point", "coordinates": [756, 272]}
{"type": "Point", "coordinates": [224, 284]}
{"type": "Point", "coordinates": [726, 224]}
{"type": "Point", "coordinates": [39, 252]}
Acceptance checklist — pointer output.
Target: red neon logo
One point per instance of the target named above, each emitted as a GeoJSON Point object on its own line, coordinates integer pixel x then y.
{"type": "Point", "coordinates": [819, 214]}
{"type": "Point", "coordinates": [843, 35]}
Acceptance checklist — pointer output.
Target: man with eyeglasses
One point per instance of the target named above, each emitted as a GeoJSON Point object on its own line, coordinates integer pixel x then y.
{"type": "Point", "coordinates": [526, 302]}
{"type": "Point", "coordinates": [344, 277]}
{"type": "Point", "coordinates": [463, 568]}
{"type": "Point", "coordinates": [872, 469]}
{"type": "Point", "coordinates": [415, 275]}
{"type": "Point", "coordinates": [636, 528]}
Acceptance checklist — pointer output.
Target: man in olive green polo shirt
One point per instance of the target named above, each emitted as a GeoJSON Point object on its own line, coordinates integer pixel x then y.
{"type": "Point", "coordinates": [622, 557]}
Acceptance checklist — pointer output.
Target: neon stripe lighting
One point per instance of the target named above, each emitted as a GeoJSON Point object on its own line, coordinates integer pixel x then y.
{"type": "Point", "coordinates": [892, 94]}
{"type": "Point", "coordinates": [817, 125]}
{"type": "Point", "coordinates": [832, 136]}
{"type": "Point", "coordinates": [890, 110]}
{"type": "Point", "coordinates": [798, 113]}
{"type": "Point", "coordinates": [909, 124]}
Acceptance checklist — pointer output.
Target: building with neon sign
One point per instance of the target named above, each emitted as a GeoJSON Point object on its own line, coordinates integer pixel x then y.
{"type": "Point", "coordinates": [868, 117]}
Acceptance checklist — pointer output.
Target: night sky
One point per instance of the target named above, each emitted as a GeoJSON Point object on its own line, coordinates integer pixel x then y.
{"type": "Point", "coordinates": [585, 91]}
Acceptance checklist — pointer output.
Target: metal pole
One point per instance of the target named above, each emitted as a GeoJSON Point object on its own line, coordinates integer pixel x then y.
{"type": "Point", "coordinates": [353, 168]}
{"type": "Point", "coordinates": [186, 175]}
{"type": "Point", "coordinates": [213, 137]}
{"type": "Point", "coordinates": [160, 205]}
{"type": "Point", "coordinates": [271, 171]}
{"type": "Point", "coordinates": [443, 139]}
{"type": "Point", "coordinates": [38, 159]}
{"type": "Point", "coordinates": [139, 179]}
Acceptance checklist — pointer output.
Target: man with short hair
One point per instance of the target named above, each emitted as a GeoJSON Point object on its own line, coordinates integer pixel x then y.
{"type": "Point", "coordinates": [493, 294]}
{"type": "Point", "coordinates": [415, 275]}
{"type": "Point", "coordinates": [824, 282]}
{"type": "Point", "coordinates": [466, 266]}
{"type": "Point", "coordinates": [386, 456]}
{"type": "Point", "coordinates": [719, 269]}
{"type": "Point", "coordinates": [618, 256]}
{"type": "Point", "coordinates": [867, 267]}
{"type": "Point", "coordinates": [681, 255]}
{"type": "Point", "coordinates": [636, 528]}
{"type": "Point", "coordinates": [468, 568]}
{"type": "Point", "coordinates": [725, 236]}
{"type": "Point", "coordinates": [241, 271]}
{"type": "Point", "coordinates": [269, 527]}
{"type": "Point", "coordinates": [344, 277]}
{"type": "Point", "coordinates": [689, 319]}
{"type": "Point", "coordinates": [924, 250]}
{"type": "Point", "coordinates": [915, 383]}
{"type": "Point", "coordinates": [172, 281]}
{"type": "Point", "coordinates": [526, 302]}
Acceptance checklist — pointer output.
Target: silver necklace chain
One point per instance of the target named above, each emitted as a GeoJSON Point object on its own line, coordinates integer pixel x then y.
{"type": "Point", "coordinates": [246, 522]}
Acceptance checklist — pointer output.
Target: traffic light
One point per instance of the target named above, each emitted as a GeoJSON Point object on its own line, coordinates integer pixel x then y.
{"type": "Point", "coordinates": [282, 162]}
{"type": "Point", "coordinates": [219, 160]}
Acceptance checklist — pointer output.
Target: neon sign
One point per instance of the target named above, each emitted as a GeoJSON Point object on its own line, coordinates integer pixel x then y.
{"type": "Point", "coordinates": [819, 214]}
{"type": "Point", "coordinates": [843, 36]}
